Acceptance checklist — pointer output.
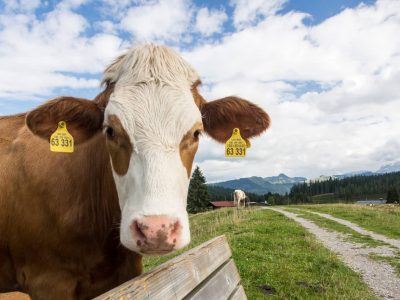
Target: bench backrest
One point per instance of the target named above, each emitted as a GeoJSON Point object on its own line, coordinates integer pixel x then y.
{"type": "Point", "coordinates": [205, 272]}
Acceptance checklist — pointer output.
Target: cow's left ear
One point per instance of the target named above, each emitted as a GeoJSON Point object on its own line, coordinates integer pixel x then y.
{"type": "Point", "coordinates": [221, 116]}
{"type": "Point", "coordinates": [83, 117]}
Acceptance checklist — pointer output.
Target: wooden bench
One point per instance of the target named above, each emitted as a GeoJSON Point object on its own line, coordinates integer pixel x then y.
{"type": "Point", "coordinates": [205, 272]}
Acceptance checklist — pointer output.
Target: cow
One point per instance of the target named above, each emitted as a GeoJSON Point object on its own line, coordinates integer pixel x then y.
{"type": "Point", "coordinates": [74, 225]}
{"type": "Point", "coordinates": [239, 197]}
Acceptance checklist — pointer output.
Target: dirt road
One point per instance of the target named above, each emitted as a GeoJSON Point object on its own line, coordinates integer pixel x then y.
{"type": "Point", "coordinates": [378, 275]}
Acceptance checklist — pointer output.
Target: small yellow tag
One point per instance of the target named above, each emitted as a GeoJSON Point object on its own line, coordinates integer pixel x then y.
{"type": "Point", "coordinates": [236, 145]}
{"type": "Point", "coordinates": [61, 140]}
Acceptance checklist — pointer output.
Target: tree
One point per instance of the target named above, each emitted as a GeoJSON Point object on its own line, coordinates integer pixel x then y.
{"type": "Point", "coordinates": [198, 198]}
{"type": "Point", "coordinates": [392, 195]}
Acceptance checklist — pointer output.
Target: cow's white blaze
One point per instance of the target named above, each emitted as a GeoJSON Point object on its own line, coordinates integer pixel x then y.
{"type": "Point", "coordinates": [153, 101]}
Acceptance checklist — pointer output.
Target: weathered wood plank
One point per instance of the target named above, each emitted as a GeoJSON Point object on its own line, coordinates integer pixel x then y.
{"type": "Point", "coordinates": [239, 294]}
{"type": "Point", "coordinates": [219, 286]}
{"type": "Point", "coordinates": [177, 277]}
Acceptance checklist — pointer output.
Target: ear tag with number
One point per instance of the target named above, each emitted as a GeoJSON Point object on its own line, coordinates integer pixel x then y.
{"type": "Point", "coordinates": [61, 140]}
{"type": "Point", "coordinates": [236, 145]}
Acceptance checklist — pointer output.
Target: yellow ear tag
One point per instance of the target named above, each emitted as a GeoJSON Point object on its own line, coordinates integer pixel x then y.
{"type": "Point", "coordinates": [61, 140]}
{"type": "Point", "coordinates": [236, 145]}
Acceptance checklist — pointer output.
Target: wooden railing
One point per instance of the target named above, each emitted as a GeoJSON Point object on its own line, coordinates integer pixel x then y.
{"type": "Point", "coordinates": [206, 272]}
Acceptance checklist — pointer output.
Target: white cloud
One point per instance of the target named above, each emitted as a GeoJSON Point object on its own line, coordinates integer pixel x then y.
{"type": "Point", "coordinates": [21, 5]}
{"type": "Point", "coordinates": [247, 11]}
{"type": "Point", "coordinates": [107, 26]}
{"type": "Point", "coordinates": [159, 20]}
{"type": "Point", "coordinates": [38, 55]}
{"type": "Point", "coordinates": [354, 56]}
{"type": "Point", "coordinates": [209, 22]}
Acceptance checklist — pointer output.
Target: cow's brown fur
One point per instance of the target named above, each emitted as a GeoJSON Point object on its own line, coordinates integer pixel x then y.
{"type": "Point", "coordinates": [59, 216]}
{"type": "Point", "coordinates": [59, 212]}
{"type": "Point", "coordinates": [221, 116]}
{"type": "Point", "coordinates": [119, 146]}
{"type": "Point", "coordinates": [188, 147]}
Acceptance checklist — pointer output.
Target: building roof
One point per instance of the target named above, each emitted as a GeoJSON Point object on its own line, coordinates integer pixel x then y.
{"type": "Point", "coordinates": [371, 202]}
{"type": "Point", "coordinates": [223, 204]}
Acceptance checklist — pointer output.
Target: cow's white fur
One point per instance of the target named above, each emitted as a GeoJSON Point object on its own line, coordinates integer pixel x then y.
{"type": "Point", "coordinates": [153, 101]}
{"type": "Point", "coordinates": [238, 197]}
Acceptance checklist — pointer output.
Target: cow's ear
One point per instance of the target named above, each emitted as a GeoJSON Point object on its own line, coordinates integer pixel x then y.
{"type": "Point", "coordinates": [83, 118]}
{"type": "Point", "coordinates": [221, 116]}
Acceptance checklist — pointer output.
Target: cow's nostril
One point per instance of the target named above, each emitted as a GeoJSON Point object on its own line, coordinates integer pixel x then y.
{"type": "Point", "coordinates": [138, 228]}
{"type": "Point", "coordinates": [156, 233]}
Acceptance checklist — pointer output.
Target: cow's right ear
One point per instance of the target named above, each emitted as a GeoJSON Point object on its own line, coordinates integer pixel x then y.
{"type": "Point", "coordinates": [83, 117]}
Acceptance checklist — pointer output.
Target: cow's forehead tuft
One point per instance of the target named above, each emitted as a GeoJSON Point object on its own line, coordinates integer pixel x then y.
{"type": "Point", "coordinates": [148, 63]}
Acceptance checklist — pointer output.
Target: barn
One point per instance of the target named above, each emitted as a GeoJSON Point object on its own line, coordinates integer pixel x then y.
{"type": "Point", "coordinates": [220, 204]}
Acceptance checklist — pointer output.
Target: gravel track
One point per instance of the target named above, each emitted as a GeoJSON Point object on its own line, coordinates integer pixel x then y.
{"type": "Point", "coordinates": [378, 275]}
{"type": "Point", "coordinates": [393, 242]}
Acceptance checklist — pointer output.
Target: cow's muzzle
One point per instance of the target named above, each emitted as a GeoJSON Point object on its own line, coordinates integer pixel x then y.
{"type": "Point", "coordinates": [156, 234]}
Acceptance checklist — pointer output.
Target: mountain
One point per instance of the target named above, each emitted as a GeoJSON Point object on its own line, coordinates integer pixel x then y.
{"type": "Point", "coordinates": [280, 184]}
{"type": "Point", "coordinates": [395, 167]}
{"type": "Point", "coordinates": [323, 178]}
{"type": "Point", "coordinates": [391, 168]}
{"type": "Point", "coordinates": [283, 179]}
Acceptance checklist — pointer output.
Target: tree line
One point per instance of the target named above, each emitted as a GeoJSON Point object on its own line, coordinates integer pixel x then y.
{"type": "Point", "coordinates": [348, 189]}
{"type": "Point", "coordinates": [200, 194]}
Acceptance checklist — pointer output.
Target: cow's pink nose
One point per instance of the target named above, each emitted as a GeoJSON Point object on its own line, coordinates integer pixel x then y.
{"type": "Point", "coordinates": [156, 234]}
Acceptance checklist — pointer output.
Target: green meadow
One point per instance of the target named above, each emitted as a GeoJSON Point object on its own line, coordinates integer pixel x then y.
{"type": "Point", "coordinates": [275, 256]}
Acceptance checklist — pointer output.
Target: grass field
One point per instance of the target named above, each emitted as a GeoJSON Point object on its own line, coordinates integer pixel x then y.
{"type": "Point", "coordinates": [334, 226]}
{"type": "Point", "coordinates": [383, 219]}
{"type": "Point", "coordinates": [355, 213]}
{"type": "Point", "coordinates": [272, 250]}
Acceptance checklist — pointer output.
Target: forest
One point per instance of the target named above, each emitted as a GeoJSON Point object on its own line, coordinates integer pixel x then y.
{"type": "Point", "coordinates": [372, 187]}
{"type": "Point", "coordinates": [350, 189]}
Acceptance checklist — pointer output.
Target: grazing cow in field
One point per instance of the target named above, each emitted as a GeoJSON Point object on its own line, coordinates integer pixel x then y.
{"type": "Point", "coordinates": [64, 216]}
{"type": "Point", "coordinates": [239, 197]}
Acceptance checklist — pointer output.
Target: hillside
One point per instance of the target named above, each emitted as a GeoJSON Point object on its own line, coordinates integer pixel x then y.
{"type": "Point", "coordinates": [280, 184]}
{"type": "Point", "coordinates": [218, 193]}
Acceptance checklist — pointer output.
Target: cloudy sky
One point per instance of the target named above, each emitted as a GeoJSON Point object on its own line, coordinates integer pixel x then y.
{"type": "Point", "coordinates": [328, 72]}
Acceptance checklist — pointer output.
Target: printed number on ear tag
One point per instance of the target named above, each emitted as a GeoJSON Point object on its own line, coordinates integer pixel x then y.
{"type": "Point", "coordinates": [61, 140]}
{"type": "Point", "coordinates": [236, 145]}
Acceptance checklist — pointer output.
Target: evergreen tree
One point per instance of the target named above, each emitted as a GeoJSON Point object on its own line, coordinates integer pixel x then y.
{"type": "Point", "coordinates": [392, 195]}
{"type": "Point", "coordinates": [348, 189]}
{"type": "Point", "coordinates": [198, 198]}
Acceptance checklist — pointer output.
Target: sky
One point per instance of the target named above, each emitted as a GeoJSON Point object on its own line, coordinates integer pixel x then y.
{"type": "Point", "coordinates": [327, 72]}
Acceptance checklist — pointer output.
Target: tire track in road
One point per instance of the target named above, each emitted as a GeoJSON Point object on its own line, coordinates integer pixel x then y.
{"type": "Point", "coordinates": [378, 275]}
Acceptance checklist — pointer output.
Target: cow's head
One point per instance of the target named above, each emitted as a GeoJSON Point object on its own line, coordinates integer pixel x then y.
{"type": "Point", "coordinates": [152, 116]}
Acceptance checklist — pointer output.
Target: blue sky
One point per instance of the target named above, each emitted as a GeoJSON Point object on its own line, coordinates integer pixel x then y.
{"type": "Point", "coordinates": [326, 71]}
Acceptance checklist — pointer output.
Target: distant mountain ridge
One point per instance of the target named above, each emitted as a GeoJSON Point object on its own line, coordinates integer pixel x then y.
{"type": "Point", "coordinates": [394, 167]}
{"type": "Point", "coordinates": [282, 183]}
{"type": "Point", "coordinates": [390, 168]}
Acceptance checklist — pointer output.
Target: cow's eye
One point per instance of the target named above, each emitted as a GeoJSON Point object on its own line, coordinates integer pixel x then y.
{"type": "Point", "coordinates": [110, 133]}
{"type": "Point", "coordinates": [197, 134]}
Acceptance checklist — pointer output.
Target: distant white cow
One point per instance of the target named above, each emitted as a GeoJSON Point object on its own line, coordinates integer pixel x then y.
{"type": "Point", "coordinates": [238, 197]}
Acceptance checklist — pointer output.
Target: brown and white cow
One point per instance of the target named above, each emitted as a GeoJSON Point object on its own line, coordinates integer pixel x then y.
{"type": "Point", "coordinates": [61, 213]}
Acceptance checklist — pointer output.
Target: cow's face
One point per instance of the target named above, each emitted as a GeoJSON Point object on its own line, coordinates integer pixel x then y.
{"type": "Point", "coordinates": [152, 122]}
{"type": "Point", "coordinates": [152, 126]}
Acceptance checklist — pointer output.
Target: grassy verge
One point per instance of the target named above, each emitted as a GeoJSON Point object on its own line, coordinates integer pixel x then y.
{"type": "Point", "coordinates": [272, 250]}
{"type": "Point", "coordinates": [383, 219]}
{"type": "Point", "coordinates": [334, 226]}
{"type": "Point", "coordinates": [393, 261]}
